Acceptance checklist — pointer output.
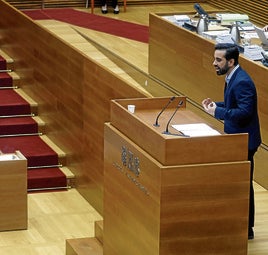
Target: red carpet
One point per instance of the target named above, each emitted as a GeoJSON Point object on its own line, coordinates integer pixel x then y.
{"type": "Point", "coordinates": [43, 177]}
{"type": "Point", "coordinates": [37, 152]}
{"type": "Point", "coordinates": [95, 22]}
{"type": "Point", "coordinates": [39, 155]}
{"type": "Point", "coordinates": [3, 64]}
{"type": "Point", "coordinates": [11, 103]}
{"type": "Point", "coordinates": [5, 79]}
{"type": "Point", "coordinates": [20, 125]}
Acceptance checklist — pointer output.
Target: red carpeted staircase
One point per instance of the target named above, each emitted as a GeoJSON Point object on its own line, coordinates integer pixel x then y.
{"type": "Point", "coordinates": [20, 131]}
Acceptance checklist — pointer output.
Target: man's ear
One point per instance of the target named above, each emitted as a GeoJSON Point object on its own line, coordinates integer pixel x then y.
{"type": "Point", "coordinates": [231, 62]}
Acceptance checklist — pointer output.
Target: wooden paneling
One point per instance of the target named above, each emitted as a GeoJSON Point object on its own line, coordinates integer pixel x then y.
{"type": "Point", "coordinates": [13, 193]}
{"type": "Point", "coordinates": [255, 9]}
{"type": "Point", "coordinates": [162, 148]}
{"type": "Point", "coordinates": [72, 92]}
{"type": "Point", "coordinates": [172, 209]}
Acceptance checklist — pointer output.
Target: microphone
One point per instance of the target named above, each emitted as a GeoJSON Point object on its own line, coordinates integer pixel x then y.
{"type": "Point", "coordinates": [177, 108]}
{"type": "Point", "coordinates": [165, 107]}
{"type": "Point", "coordinates": [200, 10]}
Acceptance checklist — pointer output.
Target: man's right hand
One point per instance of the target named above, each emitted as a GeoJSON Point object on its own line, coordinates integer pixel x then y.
{"type": "Point", "coordinates": [206, 103]}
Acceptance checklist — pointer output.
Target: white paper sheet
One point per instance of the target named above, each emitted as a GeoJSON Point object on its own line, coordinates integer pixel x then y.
{"type": "Point", "coordinates": [197, 129]}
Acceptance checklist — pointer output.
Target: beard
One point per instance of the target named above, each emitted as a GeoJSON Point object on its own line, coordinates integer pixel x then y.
{"type": "Point", "coordinates": [223, 70]}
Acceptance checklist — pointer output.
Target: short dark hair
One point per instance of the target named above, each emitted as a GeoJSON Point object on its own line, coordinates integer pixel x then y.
{"type": "Point", "coordinates": [232, 51]}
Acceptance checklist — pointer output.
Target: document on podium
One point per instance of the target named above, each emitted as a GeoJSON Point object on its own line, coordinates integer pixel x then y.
{"type": "Point", "coordinates": [196, 129]}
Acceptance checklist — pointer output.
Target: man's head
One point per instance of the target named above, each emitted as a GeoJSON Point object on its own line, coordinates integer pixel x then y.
{"type": "Point", "coordinates": [225, 58]}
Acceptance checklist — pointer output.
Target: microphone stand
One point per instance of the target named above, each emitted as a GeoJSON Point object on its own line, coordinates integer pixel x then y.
{"type": "Point", "coordinates": [165, 107]}
{"type": "Point", "coordinates": [166, 132]}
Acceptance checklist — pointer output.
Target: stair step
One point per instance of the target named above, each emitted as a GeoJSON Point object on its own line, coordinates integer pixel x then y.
{"type": "Point", "coordinates": [12, 103]}
{"type": "Point", "coordinates": [69, 176]}
{"type": "Point", "coordinates": [41, 124]}
{"type": "Point", "coordinates": [35, 125]}
{"type": "Point", "coordinates": [33, 103]}
{"type": "Point", "coordinates": [22, 125]}
{"type": "Point", "coordinates": [61, 154]}
{"type": "Point", "coordinates": [5, 80]}
{"type": "Point", "coordinates": [18, 126]}
{"type": "Point", "coordinates": [15, 78]}
{"type": "Point", "coordinates": [37, 152]}
{"type": "Point", "coordinates": [83, 246]}
{"type": "Point", "coordinates": [9, 60]}
{"type": "Point", "coordinates": [46, 178]}
{"type": "Point", "coordinates": [99, 230]}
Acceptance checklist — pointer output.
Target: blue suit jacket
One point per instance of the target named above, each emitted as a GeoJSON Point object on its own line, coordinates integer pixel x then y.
{"type": "Point", "coordinates": [239, 109]}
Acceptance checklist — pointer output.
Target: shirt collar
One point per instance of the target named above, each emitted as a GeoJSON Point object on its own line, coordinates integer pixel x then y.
{"type": "Point", "coordinates": [228, 77]}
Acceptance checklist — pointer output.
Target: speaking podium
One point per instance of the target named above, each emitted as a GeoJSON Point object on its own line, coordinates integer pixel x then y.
{"type": "Point", "coordinates": [168, 193]}
{"type": "Point", "coordinates": [13, 191]}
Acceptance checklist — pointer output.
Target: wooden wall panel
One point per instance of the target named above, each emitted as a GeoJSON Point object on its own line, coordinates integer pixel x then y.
{"type": "Point", "coordinates": [72, 91]}
{"type": "Point", "coordinates": [256, 9]}
{"type": "Point", "coordinates": [13, 192]}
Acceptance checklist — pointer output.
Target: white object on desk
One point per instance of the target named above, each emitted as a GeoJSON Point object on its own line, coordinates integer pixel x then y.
{"type": "Point", "coordinates": [230, 18]}
{"type": "Point", "coordinates": [262, 35]}
{"type": "Point", "coordinates": [131, 108]}
{"type": "Point", "coordinates": [196, 129]}
{"type": "Point", "coordinates": [4, 157]}
{"type": "Point", "coordinates": [253, 52]}
{"type": "Point", "coordinates": [182, 18]}
{"type": "Point", "coordinates": [224, 38]}
{"type": "Point", "coordinates": [214, 34]}
{"type": "Point", "coordinates": [177, 19]}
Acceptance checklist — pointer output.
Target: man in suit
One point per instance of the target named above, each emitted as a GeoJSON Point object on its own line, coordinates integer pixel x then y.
{"type": "Point", "coordinates": [238, 110]}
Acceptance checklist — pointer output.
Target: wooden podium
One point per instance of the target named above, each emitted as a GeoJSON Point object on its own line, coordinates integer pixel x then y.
{"type": "Point", "coordinates": [13, 191]}
{"type": "Point", "coordinates": [169, 194]}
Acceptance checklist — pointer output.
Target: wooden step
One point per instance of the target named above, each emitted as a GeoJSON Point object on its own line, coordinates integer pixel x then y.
{"type": "Point", "coordinates": [41, 124]}
{"type": "Point", "coordinates": [84, 246]}
{"type": "Point", "coordinates": [33, 104]}
{"type": "Point", "coordinates": [62, 160]}
{"type": "Point", "coordinates": [9, 60]}
{"type": "Point", "coordinates": [61, 154]}
{"type": "Point", "coordinates": [15, 79]}
{"type": "Point", "coordinates": [69, 176]}
{"type": "Point", "coordinates": [99, 230]}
